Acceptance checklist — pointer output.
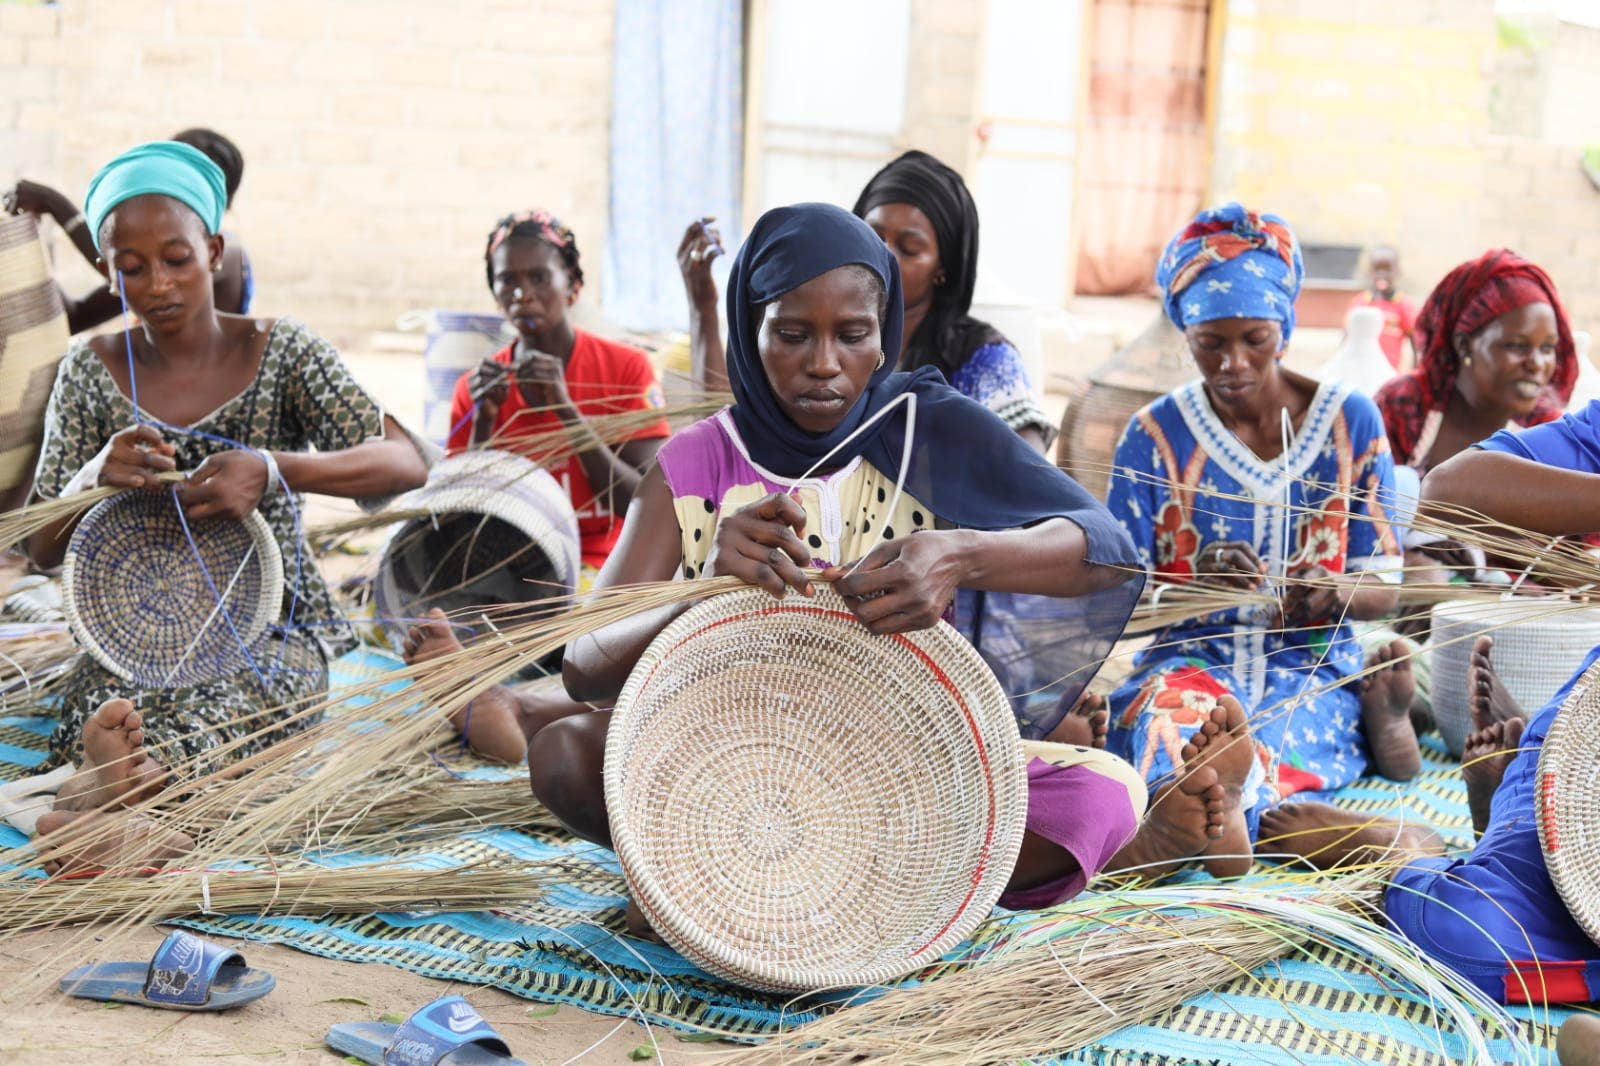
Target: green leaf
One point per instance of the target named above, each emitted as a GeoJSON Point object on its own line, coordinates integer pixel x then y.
{"type": "Point", "coordinates": [543, 1012]}
{"type": "Point", "coordinates": [358, 1062]}
{"type": "Point", "coordinates": [393, 1018]}
{"type": "Point", "coordinates": [108, 1005]}
{"type": "Point", "coordinates": [347, 999]}
{"type": "Point", "coordinates": [699, 1038]}
{"type": "Point", "coordinates": [643, 1053]}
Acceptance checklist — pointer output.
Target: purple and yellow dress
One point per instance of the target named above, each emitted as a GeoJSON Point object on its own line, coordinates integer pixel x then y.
{"type": "Point", "coordinates": [1495, 917]}
{"type": "Point", "coordinates": [1086, 802]}
{"type": "Point", "coordinates": [1182, 482]}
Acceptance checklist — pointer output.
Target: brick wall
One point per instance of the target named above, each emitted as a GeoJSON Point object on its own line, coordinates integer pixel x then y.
{"type": "Point", "coordinates": [1361, 122]}
{"type": "Point", "coordinates": [382, 138]}
{"type": "Point", "coordinates": [1545, 208]}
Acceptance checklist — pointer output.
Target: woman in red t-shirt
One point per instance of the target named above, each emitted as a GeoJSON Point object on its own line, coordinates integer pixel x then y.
{"type": "Point", "coordinates": [553, 376]}
{"type": "Point", "coordinates": [557, 376]}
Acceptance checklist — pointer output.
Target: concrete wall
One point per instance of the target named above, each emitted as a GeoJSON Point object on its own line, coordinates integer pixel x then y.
{"type": "Point", "coordinates": [382, 138]}
{"type": "Point", "coordinates": [942, 80]}
{"type": "Point", "coordinates": [1360, 122]}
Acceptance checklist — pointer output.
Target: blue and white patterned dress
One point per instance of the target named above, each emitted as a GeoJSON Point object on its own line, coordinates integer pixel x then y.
{"type": "Point", "coordinates": [1182, 483]}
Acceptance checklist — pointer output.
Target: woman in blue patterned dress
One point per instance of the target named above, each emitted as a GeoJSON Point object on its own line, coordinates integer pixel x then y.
{"type": "Point", "coordinates": [1258, 479]}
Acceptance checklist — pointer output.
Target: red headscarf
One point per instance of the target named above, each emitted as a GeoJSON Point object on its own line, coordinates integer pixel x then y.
{"type": "Point", "coordinates": [1466, 300]}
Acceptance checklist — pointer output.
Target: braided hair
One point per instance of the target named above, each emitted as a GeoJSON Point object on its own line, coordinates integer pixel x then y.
{"type": "Point", "coordinates": [540, 225]}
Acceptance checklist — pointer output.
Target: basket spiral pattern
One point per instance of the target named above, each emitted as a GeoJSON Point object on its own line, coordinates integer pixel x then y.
{"type": "Point", "coordinates": [138, 601]}
{"type": "Point", "coordinates": [798, 804]}
{"type": "Point", "coordinates": [1569, 802]}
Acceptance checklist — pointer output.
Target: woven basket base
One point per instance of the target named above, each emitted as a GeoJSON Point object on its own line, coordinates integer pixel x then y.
{"type": "Point", "coordinates": [1569, 802]}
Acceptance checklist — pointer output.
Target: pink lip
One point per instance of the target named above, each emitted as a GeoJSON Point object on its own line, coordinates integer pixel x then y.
{"type": "Point", "coordinates": [164, 311]}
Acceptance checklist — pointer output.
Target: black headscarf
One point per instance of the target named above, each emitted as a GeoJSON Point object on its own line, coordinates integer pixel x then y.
{"type": "Point", "coordinates": [967, 466]}
{"type": "Point", "coordinates": [948, 335]}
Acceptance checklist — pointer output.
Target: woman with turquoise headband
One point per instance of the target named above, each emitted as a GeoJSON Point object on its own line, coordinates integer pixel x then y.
{"type": "Point", "coordinates": [255, 411]}
{"type": "Point", "coordinates": [1256, 479]}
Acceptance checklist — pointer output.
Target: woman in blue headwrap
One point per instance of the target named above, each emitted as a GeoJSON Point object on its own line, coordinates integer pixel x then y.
{"type": "Point", "coordinates": [1257, 479]}
{"type": "Point", "coordinates": [814, 303]}
{"type": "Point", "coordinates": [255, 411]}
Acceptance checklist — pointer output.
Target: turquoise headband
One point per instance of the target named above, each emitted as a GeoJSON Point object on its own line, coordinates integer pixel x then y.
{"type": "Point", "coordinates": [166, 168]}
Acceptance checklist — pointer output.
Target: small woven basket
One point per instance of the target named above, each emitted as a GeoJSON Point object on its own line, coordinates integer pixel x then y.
{"type": "Point", "coordinates": [500, 531]}
{"type": "Point", "coordinates": [798, 804]}
{"type": "Point", "coordinates": [160, 611]}
{"type": "Point", "coordinates": [1538, 642]}
{"type": "Point", "coordinates": [1568, 799]}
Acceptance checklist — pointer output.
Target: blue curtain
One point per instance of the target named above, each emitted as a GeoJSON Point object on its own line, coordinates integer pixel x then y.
{"type": "Point", "coordinates": [676, 130]}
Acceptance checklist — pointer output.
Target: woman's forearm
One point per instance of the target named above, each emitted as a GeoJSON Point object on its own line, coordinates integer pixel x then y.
{"type": "Point", "coordinates": [1367, 597]}
{"type": "Point", "coordinates": [373, 468]}
{"type": "Point", "coordinates": [1512, 491]}
{"type": "Point", "coordinates": [707, 361]}
{"type": "Point", "coordinates": [1048, 559]}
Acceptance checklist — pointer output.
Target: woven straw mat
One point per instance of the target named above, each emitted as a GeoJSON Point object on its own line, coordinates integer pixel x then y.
{"type": "Point", "coordinates": [1538, 642]}
{"type": "Point", "coordinates": [137, 595]}
{"type": "Point", "coordinates": [33, 337]}
{"type": "Point", "coordinates": [1569, 802]}
{"type": "Point", "coordinates": [798, 804]}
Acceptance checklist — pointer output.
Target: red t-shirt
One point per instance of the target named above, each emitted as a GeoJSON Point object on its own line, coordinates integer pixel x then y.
{"type": "Point", "coordinates": [603, 378]}
{"type": "Point", "coordinates": [1399, 319]}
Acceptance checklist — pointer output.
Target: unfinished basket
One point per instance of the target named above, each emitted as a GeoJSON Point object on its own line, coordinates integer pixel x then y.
{"type": "Point", "coordinates": [160, 611]}
{"type": "Point", "coordinates": [1569, 802]}
{"type": "Point", "coordinates": [798, 804]}
{"type": "Point", "coordinates": [1538, 642]}
{"type": "Point", "coordinates": [500, 530]}
{"type": "Point", "coordinates": [33, 337]}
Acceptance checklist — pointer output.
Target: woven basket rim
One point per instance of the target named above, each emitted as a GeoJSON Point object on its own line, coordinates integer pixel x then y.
{"type": "Point", "coordinates": [995, 731]}
{"type": "Point", "coordinates": [270, 601]}
{"type": "Point", "coordinates": [1572, 745]}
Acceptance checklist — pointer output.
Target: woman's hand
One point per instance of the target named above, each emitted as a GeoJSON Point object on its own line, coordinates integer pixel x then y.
{"type": "Point", "coordinates": [901, 586]}
{"type": "Point", "coordinates": [542, 380]}
{"type": "Point", "coordinates": [490, 384]}
{"type": "Point", "coordinates": [36, 199]}
{"type": "Point", "coordinates": [760, 544]}
{"type": "Point", "coordinates": [137, 455]}
{"type": "Point", "coordinates": [1230, 564]}
{"type": "Point", "coordinates": [226, 485]}
{"type": "Point", "coordinates": [700, 245]}
{"type": "Point", "coordinates": [1311, 596]}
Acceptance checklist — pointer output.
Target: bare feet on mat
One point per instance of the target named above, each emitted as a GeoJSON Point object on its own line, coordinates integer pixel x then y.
{"type": "Point", "coordinates": [1085, 725]}
{"type": "Point", "coordinates": [1222, 743]}
{"type": "Point", "coordinates": [1484, 759]}
{"type": "Point", "coordinates": [1486, 696]}
{"type": "Point", "coordinates": [108, 842]}
{"type": "Point", "coordinates": [1386, 697]}
{"type": "Point", "coordinates": [1329, 838]}
{"type": "Point", "coordinates": [490, 721]}
{"type": "Point", "coordinates": [1578, 1043]}
{"type": "Point", "coordinates": [116, 767]}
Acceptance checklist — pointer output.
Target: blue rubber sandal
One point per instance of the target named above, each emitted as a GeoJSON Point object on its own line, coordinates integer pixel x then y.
{"type": "Point", "coordinates": [185, 973]}
{"type": "Point", "coordinates": [447, 1031]}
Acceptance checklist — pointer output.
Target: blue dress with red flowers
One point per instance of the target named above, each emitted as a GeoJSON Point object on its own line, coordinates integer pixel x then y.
{"type": "Point", "coordinates": [1184, 483]}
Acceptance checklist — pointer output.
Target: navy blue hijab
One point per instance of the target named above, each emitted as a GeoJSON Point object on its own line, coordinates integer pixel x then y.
{"type": "Point", "coordinates": [967, 467]}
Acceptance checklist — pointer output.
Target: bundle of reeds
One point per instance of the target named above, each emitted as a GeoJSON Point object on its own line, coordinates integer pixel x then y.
{"type": "Point", "coordinates": [33, 659]}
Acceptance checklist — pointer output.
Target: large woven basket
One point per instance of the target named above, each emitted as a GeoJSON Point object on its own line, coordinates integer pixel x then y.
{"type": "Point", "coordinates": [160, 611]}
{"type": "Point", "coordinates": [798, 804]}
{"type": "Point", "coordinates": [1568, 799]}
{"type": "Point", "coordinates": [1538, 642]}
{"type": "Point", "coordinates": [457, 342]}
{"type": "Point", "coordinates": [499, 530]}
{"type": "Point", "coordinates": [1145, 369]}
{"type": "Point", "coordinates": [33, 337]}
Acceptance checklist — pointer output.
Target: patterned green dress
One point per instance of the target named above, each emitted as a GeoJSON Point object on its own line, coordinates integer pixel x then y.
{"type": "Point", "coordinates": [303, 397]}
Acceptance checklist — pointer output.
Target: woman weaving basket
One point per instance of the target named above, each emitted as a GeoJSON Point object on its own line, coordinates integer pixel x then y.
{"type": "Point", "coordinates": [1259, 480]}
{"type": "Point", "coordinates": [794, 476]}
{"type": "Point", "coordinates": [241, 403]}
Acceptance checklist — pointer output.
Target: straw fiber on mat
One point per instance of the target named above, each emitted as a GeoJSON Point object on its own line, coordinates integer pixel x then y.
{"type": "Point", "coordinates": [203, 594]}
{"type": "Point", "coordinates": [568, 949]}
{"type": "Point", "coordinates": [33, 337]}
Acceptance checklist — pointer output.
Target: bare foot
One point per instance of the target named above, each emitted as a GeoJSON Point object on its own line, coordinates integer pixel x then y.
{"type": "Point", "coordinates": [1484, 759]}
{"type": "Point", "coordinates": [1183, 819]}
{"type": "Point", "coordinates": [1329, 838]}
{"type": "Point", "coordinates": [1386, 696]}
{"type": "Point", "coordinates": [106, 842]}
{"type": "Point", "coordinates": [490, 721]}
{"type": "Point", "coordinates": [116, 768]}
{"type": "Point", "coordinates": [1578, 1043]}
{"type": "Point", "coordinates": [1223, 744]}
{"type": "Point", "coordinates": [1085, 725]}
{"type": "Point", "coordinates": [1486, 696]}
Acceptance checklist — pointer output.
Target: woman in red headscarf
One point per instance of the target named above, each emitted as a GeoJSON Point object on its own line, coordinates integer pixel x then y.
{"type": "Point", "coordinates": [1494, 350]}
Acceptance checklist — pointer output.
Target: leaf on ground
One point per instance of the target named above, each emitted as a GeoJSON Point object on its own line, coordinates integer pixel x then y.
{"type": "Point", "coordinates": [699, 1038]}
{"type": "Point", "coordinates": [393, 1017]}
{"type": "Point", "coordinates": [643, 1053]}
{"type": "Point", "coordinates": [543, 1012]}
{"type": "Point", "coordinates": [109, 1005]}
{"type": "Point", "coordinates": [352, 1058]}
{"type": "Point", "coordinates": [347, 999]}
